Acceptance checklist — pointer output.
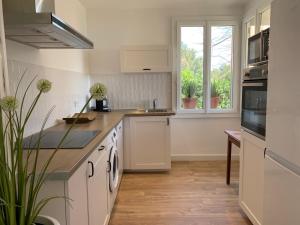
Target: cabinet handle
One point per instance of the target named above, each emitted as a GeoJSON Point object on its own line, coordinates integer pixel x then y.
{"type": "Point", "coordinates": [93, 169]}
{"type": "Point", "coordinates": [102, 147]}
{"type": "Point", "coordinates": [168, 121]}
{"type": "Point", "coordinates": [146, 69]}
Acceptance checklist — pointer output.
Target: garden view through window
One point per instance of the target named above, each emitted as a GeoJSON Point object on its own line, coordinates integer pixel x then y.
{"type": "Point", "coordinates": [192, 55]}
{"type": "Point", "coordinates": [217, 94]}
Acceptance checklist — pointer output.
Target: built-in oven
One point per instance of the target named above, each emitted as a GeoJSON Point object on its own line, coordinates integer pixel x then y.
{"type": "Point", "coordinates": [254, 101]}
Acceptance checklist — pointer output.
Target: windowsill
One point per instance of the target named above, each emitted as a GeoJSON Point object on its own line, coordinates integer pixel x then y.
{"type": "Point", "coordinates": [183, 114]}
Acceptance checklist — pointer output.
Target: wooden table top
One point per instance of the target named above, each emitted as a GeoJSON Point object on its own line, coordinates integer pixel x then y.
{"type": "Point", "coordinates": [234, 134]}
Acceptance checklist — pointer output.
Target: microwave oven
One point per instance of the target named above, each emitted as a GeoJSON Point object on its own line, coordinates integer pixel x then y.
{"type": "Point", "coordinates": [258, 48]}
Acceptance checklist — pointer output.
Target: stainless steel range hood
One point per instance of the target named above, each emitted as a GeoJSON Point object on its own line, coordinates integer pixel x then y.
{"type": "Point", "coordinates": [33, 23]}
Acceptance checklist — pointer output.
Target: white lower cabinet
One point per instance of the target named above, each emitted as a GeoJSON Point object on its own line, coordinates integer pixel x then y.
{"type": "Point", "coordinates": [147, 143]}
{"type": "Point", "coordinates": [86, 190]}
{"type": "Point", "coordinates": [97, 190]}
{"type": "Point", "coordinates": [252, 177]}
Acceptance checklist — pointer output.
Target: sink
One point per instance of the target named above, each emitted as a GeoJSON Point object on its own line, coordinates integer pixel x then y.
{"type": "Point", "coordinates": [155, 110]}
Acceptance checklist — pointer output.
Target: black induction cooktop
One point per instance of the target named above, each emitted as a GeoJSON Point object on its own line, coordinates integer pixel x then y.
{"type": "Point", "coordinates": [50, 139]}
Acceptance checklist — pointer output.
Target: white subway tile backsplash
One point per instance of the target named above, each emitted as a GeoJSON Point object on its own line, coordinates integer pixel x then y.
{"type": "Point", "coordinates": [68, 95]}
{"type": "Point", "coordinates": [71, 89]}
{"type": "Point", "coordinates": [130, 91]}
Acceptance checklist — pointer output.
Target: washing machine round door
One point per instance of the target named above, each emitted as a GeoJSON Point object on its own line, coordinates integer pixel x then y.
{"type": "Point", "coordinates": [113, 169]}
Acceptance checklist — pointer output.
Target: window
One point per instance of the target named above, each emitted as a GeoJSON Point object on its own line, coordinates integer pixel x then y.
{"type": "Point", "coordinates": [192, 54]}
{"type": "Point", "coordinates": [207, 59]}
{"type": "Point", "coordinates": [221, 67]}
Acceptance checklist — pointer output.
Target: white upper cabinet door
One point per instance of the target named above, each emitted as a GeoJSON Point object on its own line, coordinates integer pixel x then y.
{"type": "Point", "coordinates": [150, 143]}
{"type": "Point", "coordinates": [145, 59]}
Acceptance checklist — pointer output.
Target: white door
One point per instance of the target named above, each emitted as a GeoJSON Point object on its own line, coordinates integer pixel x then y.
{"type": "Point", "coordinates": [150, 143]}
{"type": "Point", "coordinates": [97, 192]}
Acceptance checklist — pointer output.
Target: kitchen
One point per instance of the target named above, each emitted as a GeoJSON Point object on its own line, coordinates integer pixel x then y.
{"type": "Point", "coordinates": [168, 112]}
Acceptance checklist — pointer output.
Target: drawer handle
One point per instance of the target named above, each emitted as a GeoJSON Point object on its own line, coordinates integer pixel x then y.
{"type": "Point", "coordinates": [93, 169]}
{"type": "Point", "coordinates": [102, 147]}
{"type": "Point", "coordinates": [146, 69]}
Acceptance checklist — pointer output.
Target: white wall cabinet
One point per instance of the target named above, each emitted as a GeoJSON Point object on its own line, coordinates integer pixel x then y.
{"type": "Point", "coordinates": [252, 177]}
{"type": "Point", "coordinates": [145, 59]}
{"type": "Point", "coordinates": [147, 143]}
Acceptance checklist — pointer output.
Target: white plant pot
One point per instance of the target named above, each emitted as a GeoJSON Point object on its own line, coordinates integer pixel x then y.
{"type": "Point", "coordinates": [46, 220]}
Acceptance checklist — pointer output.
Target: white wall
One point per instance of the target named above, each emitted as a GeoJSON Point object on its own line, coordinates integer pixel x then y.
{"type": "Point", "coordinates": [201, 139]}
{"type": "Point", "coordinates": [192, 139]}
{"type": "Point", "coordinates": [67, 69]}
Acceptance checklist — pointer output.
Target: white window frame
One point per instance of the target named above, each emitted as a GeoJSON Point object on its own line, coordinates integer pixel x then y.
{"type": "Point", "coordinates": [207, 23]}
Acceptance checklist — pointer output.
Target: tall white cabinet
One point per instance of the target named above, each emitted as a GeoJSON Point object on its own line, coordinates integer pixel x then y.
{"type": "Point", "coordinates": [147, 144]}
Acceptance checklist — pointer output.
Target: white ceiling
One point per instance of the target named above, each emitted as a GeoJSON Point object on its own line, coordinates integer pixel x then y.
{"type": "Point", "coordinates": [145, 4]}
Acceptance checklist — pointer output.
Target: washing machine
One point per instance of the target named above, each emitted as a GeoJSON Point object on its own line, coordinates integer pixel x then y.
{"type": "Point", "coordinates": [113, 168]}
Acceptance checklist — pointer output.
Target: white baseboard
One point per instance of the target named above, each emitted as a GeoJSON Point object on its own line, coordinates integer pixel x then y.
{"type": "Point", "coordinates": [202, 157]}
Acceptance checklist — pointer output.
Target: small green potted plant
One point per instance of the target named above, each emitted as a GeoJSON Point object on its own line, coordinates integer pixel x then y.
{"type": "Point", "coordinates": [215, 97]}
{"type": "Point", "coordinates": [189, 99]}
{"type": "Point", "coordinates": [20, 184]}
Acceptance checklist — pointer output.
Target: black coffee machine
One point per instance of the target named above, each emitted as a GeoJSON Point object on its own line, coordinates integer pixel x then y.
{"type": "Point", "coordinates": [102, 105]}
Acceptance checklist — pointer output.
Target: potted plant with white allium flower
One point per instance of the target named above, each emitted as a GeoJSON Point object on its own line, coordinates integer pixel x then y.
{"type": "Point", "coordinates": [20, 183]}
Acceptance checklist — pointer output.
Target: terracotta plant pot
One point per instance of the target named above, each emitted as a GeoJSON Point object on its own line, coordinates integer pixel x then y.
{"type": "Point", "coordinates": [189, 103]}
{"type": "Point", "coordinates": [214, 102]}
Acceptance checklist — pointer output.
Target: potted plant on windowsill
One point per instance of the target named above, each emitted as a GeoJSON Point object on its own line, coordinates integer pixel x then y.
{"type": "Point", "coordinates": [20, 178]}
{"type": "Point", "coordinates": [215, 98]}
{"type": "Point", "coordinates": [189, 92]}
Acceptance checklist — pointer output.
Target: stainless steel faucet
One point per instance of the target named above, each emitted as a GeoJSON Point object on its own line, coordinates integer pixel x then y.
{"type": "Point", "coordinates": [155, 103]}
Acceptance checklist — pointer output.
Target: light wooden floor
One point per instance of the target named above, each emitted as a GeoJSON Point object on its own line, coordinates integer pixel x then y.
{"type": "Point", "coordinates": [192, 193]}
